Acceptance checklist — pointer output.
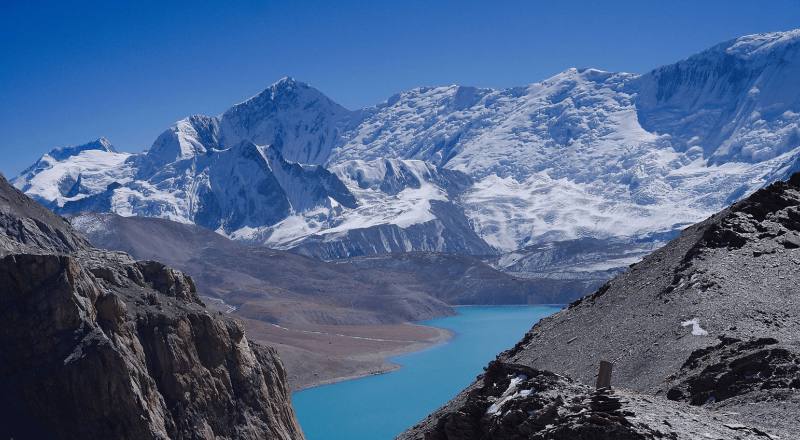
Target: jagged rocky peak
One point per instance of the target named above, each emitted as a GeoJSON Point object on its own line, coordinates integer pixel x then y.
{"type": "Point", "coordinates": [96, 345]}
{"type": "Point", "coordinates": [297, 119]}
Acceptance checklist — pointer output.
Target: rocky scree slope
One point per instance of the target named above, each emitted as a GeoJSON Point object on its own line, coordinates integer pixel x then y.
{"type": "Point", "coordinates": [511, 401]}
{"type": "Point", "coordinates": [97, 345]}
{"type": "Point", "coordinates": [710, 321]}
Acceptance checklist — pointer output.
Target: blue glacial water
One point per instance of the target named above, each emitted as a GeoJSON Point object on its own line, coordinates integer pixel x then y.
{"type": "Point", "coordinates": [380, 407]}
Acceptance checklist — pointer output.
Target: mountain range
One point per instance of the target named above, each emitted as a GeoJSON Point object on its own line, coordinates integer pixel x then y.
{"type": "Point", "coordinates": [619, 158]}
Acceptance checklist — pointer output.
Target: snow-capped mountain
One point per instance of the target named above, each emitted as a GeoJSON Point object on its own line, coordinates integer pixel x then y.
{"type": "Point", "coordinates": [738, 101]}
{"type": "Point", "coordinates": [404, 205]}
{"type": "Point", "coordinates": [245, 186]}
{"type": "Point", "coordinates": [296, 119]}
{"type": "Point", "coordinates": [585, 154]}
{"type": "Point", "coordinates": [72, 173]}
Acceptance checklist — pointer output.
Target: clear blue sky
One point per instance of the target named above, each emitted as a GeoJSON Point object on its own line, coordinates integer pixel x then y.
{"type": "Point", "coordinates": [73, 71]}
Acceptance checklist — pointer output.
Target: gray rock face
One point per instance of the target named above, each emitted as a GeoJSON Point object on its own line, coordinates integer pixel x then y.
{"type": "Point", "coordinates": [709, 320]}
{"type": "Point", "coordinates": [734, 368]}
{"type": "Point", "coordinates": [96, 345]}
{"type": "Point", "coordinates": [29, 227]}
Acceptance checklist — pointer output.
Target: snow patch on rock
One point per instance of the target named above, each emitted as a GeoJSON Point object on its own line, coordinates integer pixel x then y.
{"type": "Point", "coordinates": [696, 329]}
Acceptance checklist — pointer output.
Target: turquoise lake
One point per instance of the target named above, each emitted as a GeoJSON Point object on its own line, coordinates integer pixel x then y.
{"type": "Point", "coordinates": [380, 407]}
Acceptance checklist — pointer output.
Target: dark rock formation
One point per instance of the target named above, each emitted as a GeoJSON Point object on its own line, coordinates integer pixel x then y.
{"type": "Point", "coordinates": [96, 345]}
{"type": "Point", "coordinates": [516, 402]}
{"type": "Point", "coordinates": [26, 226]}
{"type": "Point", "coordinates": [711, 320]}
{"type": "Point", "coordinates": [737, 368]}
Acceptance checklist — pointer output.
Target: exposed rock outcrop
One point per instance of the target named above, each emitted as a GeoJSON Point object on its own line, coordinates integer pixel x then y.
{"type": "Point", "coordinates": [95, 345]}
{"type": "Point", "coordinates": [521, 403]}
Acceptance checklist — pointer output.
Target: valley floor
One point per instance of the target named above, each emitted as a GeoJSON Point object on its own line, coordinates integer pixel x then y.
{"type": "Point", "coordinates": [318, 355]}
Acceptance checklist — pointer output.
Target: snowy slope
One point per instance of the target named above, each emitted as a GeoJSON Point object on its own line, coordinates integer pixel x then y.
{"type": "Point", "coordinates": [738, 101]}
{"type": "Point", "coordinates": [584, 115]}
{"type": "Point", "coordinates": [68, 173]}
{"type": "Point", "coordinates": [588, 153]}
{"type": "Point", "coordinates": [584, 154]}
{"type": "Point", "coordinates": [403, 205]}
{"type": "Point", "coordinates": [245, 186]}
{"type": "Point", "coordinates": [187, 138]}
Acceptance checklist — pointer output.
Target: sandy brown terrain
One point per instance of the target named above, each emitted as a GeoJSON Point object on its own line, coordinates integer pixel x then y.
{"type": "Point", "coordinates": [317, 355]}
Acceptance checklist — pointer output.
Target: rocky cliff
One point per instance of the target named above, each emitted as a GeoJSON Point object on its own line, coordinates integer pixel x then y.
{"type": "Point", "coordinates": [96, 345]}
{"type": "Point", "coordinates": [704, 331]}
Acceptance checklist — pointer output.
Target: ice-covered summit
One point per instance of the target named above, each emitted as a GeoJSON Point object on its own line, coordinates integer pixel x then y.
{"type": "Point", "coordinates": [67, 173]}
{"type": "Point", "coordinates": [99, 144]}
{"type": "Point", "coordinates": [756, 44]}
{"type": "Point", "coordinates": [737, 102]}
{"type": "Point", "coordinates": [295, 118]}
{"type": "Point", "coordinates": [187, 138]}
{"type": "Point", "coordinates": [510, 132]}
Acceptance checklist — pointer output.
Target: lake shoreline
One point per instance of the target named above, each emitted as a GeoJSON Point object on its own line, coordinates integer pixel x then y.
{"type": "Point", "coordinates": [443, 336]}
{"type": "Point", "coordinates": [380, 406]}
{"type": "Point", "coordinates": [384, 356]}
